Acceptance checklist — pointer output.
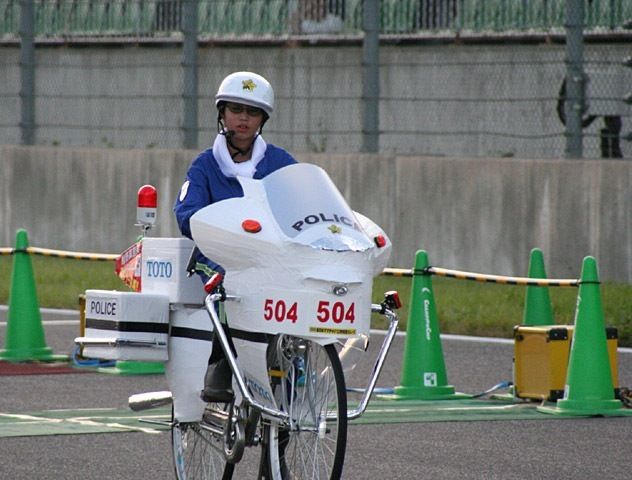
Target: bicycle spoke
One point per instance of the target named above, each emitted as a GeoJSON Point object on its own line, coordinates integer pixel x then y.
{"type": "Point", "coordinates": [199, 453]}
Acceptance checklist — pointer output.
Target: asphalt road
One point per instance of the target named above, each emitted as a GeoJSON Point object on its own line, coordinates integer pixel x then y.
{"type": "Point", "coordinates": [577, 448]}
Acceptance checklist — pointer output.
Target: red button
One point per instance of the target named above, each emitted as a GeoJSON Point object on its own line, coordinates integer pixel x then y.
{"type": "Point", "coordinates": [380, 241]}
{"type": "Point", "coordinates": [251, 226]}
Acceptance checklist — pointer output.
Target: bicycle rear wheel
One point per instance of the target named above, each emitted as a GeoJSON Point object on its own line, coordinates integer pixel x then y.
{"type": "Point", "coordinates": [313, 393]}
{"type": "Point", "coordinates": [198, 453]}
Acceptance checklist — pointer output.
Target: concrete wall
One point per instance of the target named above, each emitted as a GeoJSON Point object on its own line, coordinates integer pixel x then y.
{"type": "Point", "coordinates": [482, 215]}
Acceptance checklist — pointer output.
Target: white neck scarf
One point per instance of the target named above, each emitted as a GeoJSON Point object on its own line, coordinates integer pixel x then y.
{"type": "Point", "coordinates": [242, 169]}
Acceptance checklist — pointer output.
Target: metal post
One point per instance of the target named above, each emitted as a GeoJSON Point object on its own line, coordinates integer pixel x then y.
{"type": "Point", "coordinates": [370, 77]}
{"type": "Point", "coordinates": [27, 71]}
{"type": "Point", "coordinates": [190, 68]}
{"type": "Point", "coordinates": [575, 79]}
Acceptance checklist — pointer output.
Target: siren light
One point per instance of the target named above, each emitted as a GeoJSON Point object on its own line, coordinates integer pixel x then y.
{"type": "Point", "coordinates": [147, 203]}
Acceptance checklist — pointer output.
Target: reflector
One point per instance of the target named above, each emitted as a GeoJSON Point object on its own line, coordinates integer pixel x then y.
{"type": "Point", "coordinates": [251, 226]}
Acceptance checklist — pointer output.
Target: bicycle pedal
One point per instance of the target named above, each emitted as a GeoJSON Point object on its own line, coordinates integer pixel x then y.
{"type": "Point", "coordinates": [215, 416]}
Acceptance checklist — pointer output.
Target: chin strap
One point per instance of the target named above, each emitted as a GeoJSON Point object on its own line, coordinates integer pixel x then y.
{"type": "Point", "coordinates": [229, 134]}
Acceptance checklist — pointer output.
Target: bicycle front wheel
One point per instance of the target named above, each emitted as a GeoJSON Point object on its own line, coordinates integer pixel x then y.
{"type": "Point", "coordinates": [313, 393]}
{"type": "Point", "coordinates": [198, 453]}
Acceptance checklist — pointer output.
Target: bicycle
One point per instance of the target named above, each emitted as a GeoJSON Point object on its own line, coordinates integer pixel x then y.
{"type": "Point", "coordinates": [297, 295]}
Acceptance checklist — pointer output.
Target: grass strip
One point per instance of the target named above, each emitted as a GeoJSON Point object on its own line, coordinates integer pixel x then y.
{"type": "Point", "coordinates": [463, 307]}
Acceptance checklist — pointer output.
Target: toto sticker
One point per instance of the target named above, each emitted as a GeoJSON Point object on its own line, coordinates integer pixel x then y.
{"type": "Point", "coordinates": [158, 268]}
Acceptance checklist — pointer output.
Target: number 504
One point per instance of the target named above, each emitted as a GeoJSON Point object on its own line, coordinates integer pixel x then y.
{"type": "Point", "coordinates": [280, 311]}
{"type": "Point", "coordinates": [336, 311]}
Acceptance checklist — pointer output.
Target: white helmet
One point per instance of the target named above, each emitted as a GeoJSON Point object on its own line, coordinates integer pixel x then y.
{"type": "Point", "coordinates": [247, 88]}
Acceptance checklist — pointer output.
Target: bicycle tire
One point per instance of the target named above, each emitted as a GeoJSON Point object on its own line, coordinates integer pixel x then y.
{"type": "Point", "coordinates": [314, 448]}
{"type": "Point", "coordinates": [198, 454]}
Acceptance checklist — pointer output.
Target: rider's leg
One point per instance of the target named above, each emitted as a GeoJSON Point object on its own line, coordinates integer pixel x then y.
{"type": "Point", "coordinates": [218, 378]}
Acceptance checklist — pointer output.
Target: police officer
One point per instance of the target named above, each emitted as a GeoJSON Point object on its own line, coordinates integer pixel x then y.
{"type": "Point", "coordinates": [244, 103]}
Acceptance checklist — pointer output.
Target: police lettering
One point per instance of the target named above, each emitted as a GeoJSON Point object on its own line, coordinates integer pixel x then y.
{"type": "Point", "coordinates": [321, 217]}
{"type": "Point", "coordinates": [254, 386]}
{"type": "Point", "coordinates": [159, 269]}
{"type": "Point", "coordinates": [103, 307]}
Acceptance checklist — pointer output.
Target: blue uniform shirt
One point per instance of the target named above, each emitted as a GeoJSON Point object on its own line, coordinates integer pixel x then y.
{"type": "Point", "coordinates": [205, 184]}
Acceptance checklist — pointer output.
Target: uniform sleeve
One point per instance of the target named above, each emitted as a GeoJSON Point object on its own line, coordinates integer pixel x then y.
{"type": "Point", "coordinates": [287, 159]}
{"type": "Point", "coordinates": [194, 195]}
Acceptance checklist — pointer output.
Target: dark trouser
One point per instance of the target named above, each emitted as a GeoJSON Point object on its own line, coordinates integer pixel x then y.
{"type": "Point", "coordinates": [217, 353]}
{"type": "Point", "coordinates": [609, 137]}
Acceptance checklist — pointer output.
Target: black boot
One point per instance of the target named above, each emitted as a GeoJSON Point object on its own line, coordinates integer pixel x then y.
{"type": "Point", "coordinates": [218, 383]}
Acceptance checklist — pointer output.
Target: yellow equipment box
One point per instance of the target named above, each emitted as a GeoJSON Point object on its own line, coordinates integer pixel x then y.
{"type": "Point", "coordinates": [541, 357]}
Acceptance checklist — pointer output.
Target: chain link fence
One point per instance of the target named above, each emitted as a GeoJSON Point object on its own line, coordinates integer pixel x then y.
{"type": "Point", "coordinates": [282, 17]}
{"type": "Point", "coordinates": [457, 77]}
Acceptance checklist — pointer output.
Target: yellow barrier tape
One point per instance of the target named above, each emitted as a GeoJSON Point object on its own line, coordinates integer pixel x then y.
{"type": "Point", "coordinates": [75, 255]}
{"type": "Point", "coordinates": [48, 252]}
{"type": "Point", "coordinates": [397, 272]}
{"type": "Point", "coordinates": [481, 277]}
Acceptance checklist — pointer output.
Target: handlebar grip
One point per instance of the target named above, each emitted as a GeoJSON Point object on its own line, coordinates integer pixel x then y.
{"type": "Point", "coordinates": [213, 282]}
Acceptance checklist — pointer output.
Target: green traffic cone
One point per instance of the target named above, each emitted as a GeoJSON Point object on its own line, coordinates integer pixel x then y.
{"type": "Point", "coordinates": [537, 309]}
{"type": "Point", "coordinates": [589, 390]}
{"type": "Point", "coordinates": [423, 369]}
{"type": "Point", "coordinates": [25, 335]}
{"type": "Point", "coordinates": [133, 367]}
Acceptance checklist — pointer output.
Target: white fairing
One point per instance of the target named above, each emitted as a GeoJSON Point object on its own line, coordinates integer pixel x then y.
{"type": "Point", "coordinates": [189, 351]}
{"type": "Point", "coordinates": [309, 270]}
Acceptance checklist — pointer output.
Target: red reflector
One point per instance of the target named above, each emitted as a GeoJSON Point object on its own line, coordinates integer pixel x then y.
{"type": "Point", "coordinates": [380, 241]}
{"type": "Point", "coordinates": [392, 297]}
{"type": "Point", "coordinates": [251, 226]}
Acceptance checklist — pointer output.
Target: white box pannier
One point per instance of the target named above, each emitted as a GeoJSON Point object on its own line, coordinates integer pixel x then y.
{"type": "Point", "coordinates": [164, 264]}
{"type": "Point", "coordinates": [126, 326]}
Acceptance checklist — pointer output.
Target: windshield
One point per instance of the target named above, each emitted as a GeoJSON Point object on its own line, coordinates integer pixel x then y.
{"type": "Point", "coordinates": [309, 209]}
